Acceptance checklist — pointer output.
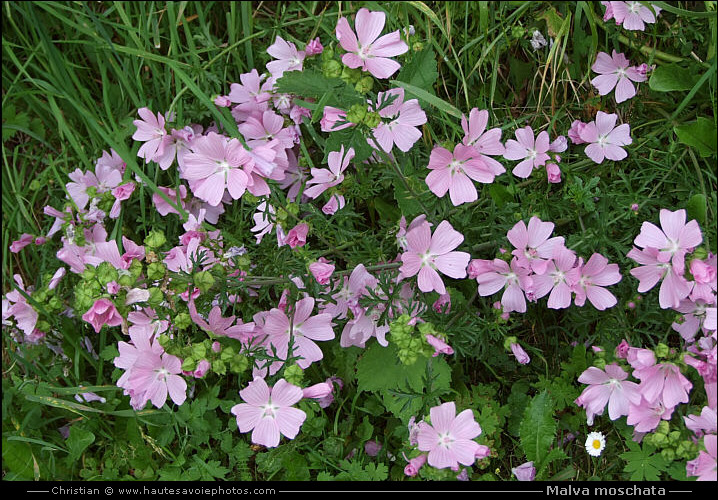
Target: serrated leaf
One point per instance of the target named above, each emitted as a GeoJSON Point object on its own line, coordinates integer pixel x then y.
{"type": "Point", "coordinates": [553, 455]}
{"type": "Point", "coordinates": [350, 137]}
{"type": "Point", "coordinates": [312, 83]}
{"type": "Point", "coordinates": [671, 77]}
{"type": "Point", "coordinates": [700, 134]}
{"type": "Point", "coordinates": [642, 463]}
{"type": "Point", "coordinates": [537, 431]}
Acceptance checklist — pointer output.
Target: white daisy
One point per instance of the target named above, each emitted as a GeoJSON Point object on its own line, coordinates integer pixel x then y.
{"type": "Point", "coordinates": [595, 443]}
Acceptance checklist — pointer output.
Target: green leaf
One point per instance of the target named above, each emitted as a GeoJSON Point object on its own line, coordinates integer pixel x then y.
{"type": "Point", "coordinates": [700, 134]}
{"type": "Point", "coordinates": [642, 464]}
{"type": "Point", "coordinates": [17, 457]}
{"type": "Point", "coordinates": [426, 97]}
{"type": "Point", "coordinates": [671, 77]}
{"type": "Point", "coordinates": [78, 441]}
{"type": "Point", "coordinates": [537, 431]}
{"type": "Point", "coordinates": [420, 71]}
{"type": "Point", "coordinates": [351, 137]}
{"type": "Point", "coordinates": [697, 207]}
{"type": "Point", "coordinates": [312, 83]}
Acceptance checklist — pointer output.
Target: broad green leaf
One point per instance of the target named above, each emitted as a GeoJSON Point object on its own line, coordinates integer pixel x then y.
{"type": "Point", "coordinates": [420, 71]}
{"type": "Point", "coordinates": [642, 463]}
{"type": "Point", "coordinates": [17, 457]}
{"type": "Point", "coordinates": [696, 208]}
{"type": "Point", "coordinates": [537, 431]}
{"type": "Point", "coordinates": [78, 441]}
{"type": "Point", "coordinates": [700, 134]}
{"type": "Point", "coordinates": [671, 77]}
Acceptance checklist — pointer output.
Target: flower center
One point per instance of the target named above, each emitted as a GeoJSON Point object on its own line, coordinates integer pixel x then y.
{"type": "Point", "coordinates": [364, 52]}
{"type": "Point", "coordinates": [446, 440]}
{"type": "Point", "coordinates": [269, 410]}
{"type": "Point", "coordinates": [596, 444]}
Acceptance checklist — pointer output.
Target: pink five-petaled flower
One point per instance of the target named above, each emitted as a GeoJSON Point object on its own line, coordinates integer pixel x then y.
{"type": "Point", "coordinates": [214, 165]}
{"type": "Point", "coordinates": [449, 438]}
{"type": "Point", "coordinates": [155, 376]}
{"type": "Point", "coordinates": [605, 139]}
{"type": "Point", "coordinates": [531, 151]}
{"type": "Point", "coordinates": [633, 15]}
{"type": "Point", "coordinates": [591, 277]}
{"type": "Point", "coordinates": [525, 472]}
{"type": "Point", "coordinates": [533, 247]}
{"type": "Point", "coordinates": [321, 270]}
{"type": "Point", "coordinates": [102, 312]}
{"type": "Point", "coordinates": [663, 382]}
{"type": "Point", "coordinates": [268, 412]}
{"type": "Point", "coordinates": [322, 178]}
{"type": "Point", "coordinates": [402, 127]}
{"type": "Point", "coordinates": [486, 142]}
{"type": "Point", "coordinates": [614, 72]}
{"type": "Point", "coordinates": [705, 466]}
{"type": "Point", "coordinates": [287, 55]}
{"type": "Point", "coordinates": [302, 329]}
{"type": "Point", "coordinates": [673, 240]}
{"type": "Point", "coordinates": [427, 254]}
{"type": "Point", "coordinates": [497, 274]}
{"type": "Point", "coordinates": [607, 387]}
{"type": "Point", "coordinates": [453, 173]}
{"type": "Point", "coordinates": [674, 287]}
{"type": "Point", "coordinates": [366, 50]}
{"type": "Point", "coordinates": [151, 131]}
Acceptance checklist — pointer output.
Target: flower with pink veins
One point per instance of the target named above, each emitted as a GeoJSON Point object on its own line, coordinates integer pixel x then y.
{"type": "Point", "coordinates": [605, 139]}
{"type": "Point", "coordinates": [633, 15]}
{"type": "Point", "coordinates": [349, 292]}
{"type": "Point", "coordinates": [427, 254]}
{"type": "Point", "coordinates": [705, 466]}
{"type": "Point", "coordinates": [269, 125]}
{"type": "Point", "coordinates": [213, 166]}
{"type": "Point", "coordinates": [268, 412]}
{"type": "Point", "coordinates": [401, 129]}
{"type": "Point", "coordinates": [590, 278]}
{"type": "Point", "coordinates": [614, 72]}
{"type": "Point", "coordinates": [704, 274]}
{"type": "Point", "coordinates": [607, 387]}
{"type": "Point", "coordinates": [303, 330]}
{"type": "Point", "coordinates": [449, 438]}
{"type": "Point", "coordinates": [645, 416]}
{"type": "Point", "coordinates": [673, 240]}
{"type": "Point", "coordinates": [533, 245]}
{"type": "Point", "coordinates": [663, 382]}
{"type": "Point", "coordinates": [103, 312]}
{"type": "Point", "coordinates": [531, 151]}
{"type": "Point", "coordinates": [288, 58]}
{"type": "Point", "coordinates": [156, 376]}
{"type": "Point", "coordinates": [705, 423]}
{"type": "Point", "coordinates": [150, 130]}
{"type": "Point", "coordinates": [486, 142]}
{"type": "Point", "coordinates": [252, 95]}
{"type": "Point", "coordinates": [334, 119]}
{"type": "Point", "coordinates": [651, 270]}
{"type": "Point", "coordinates": [514, 278]}
{"type": "Point", "coordinates": [366, 50]}
{"type": "Point", "coordinates": [322, 178]}
{"type": "Point", "coordinates": [454, 173]}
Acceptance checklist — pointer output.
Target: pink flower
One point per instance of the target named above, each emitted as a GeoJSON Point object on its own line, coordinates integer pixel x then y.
{"type": "Point", "coordinates": [558, 278]}
{"type": "Point", "coordinates": [453, 173]}
{"type": "Point", "coordinates": [673, 240]}
{"type": "Point", "coordinates": [605, 139]}
{"type": "Point", "coordinates": [520, 354]}
{"type": "Point", "coordinates": [633, 15]}
{"type": "Point", "coordinates": [440, 347]}
{"type": "Point", "coordinates": [151, 131]}
{"type": "Point", "coordinates": [705, 466]}
{"type": "Point", "coordinates": [321, 270]}
{"type": "Point", "coordinates": [401, 129]}
{"type": "Point", "coordinates": [524, 472]}
{"type": "Point", "coordinates": [614, 72]}
{"type": "Point", "coordinates": [314, 47]}
{"type": "Point", "coordinates": [372, 448]}
{"type": "Point", "coordinates": [303, 329]}
{"type": "Point", "coordinates": [449, 438]}
{"type": "Point", "coordinates": [412, 468]}
{"type": "Point", "coordinates": [664, 383]}
{"type": "Point", "coordinates": [213, 166]}
{"type": "Point", "coordinates": [427, 254]}
{"type": "Point", "coordinates": [121, 193]}
{"type": "Point", "coordinates": [674, 287]}
{"type": "Point", "coordinates": [55, 280]}
{"type": "Point", "coordinates": [287, 55]}
{"type": "Point", "coordinates": [21, 243]}
{"type": "Point", "coordinates": [486, 142]}
{"type": "Point", "coordinates": [297, 236]}
{"type": "Point", "coordinates": [156, 376]}
{"type": "Point", "coordinates": [336, 202]}
{"type": "Point", "coordinates": [590, 280]}
{"type": "Point", "coordinates": [607, 387]}
{"type": "Point", "coordinates": [331, 116]}
{"type": "Point", "coordinates": [323, 179]}
{"type": "Point", "coordinates": [318, 391]}
{"type": "Point", "coordinates": [532, 152]}
{"type": "Point", "coordinates": [251, 95]}
{"type": "Point", "coordinates": [365, 49]}
{"type": "Point", "coordinates": [222, 101]}
{"type": "Point", "coordinates": [705, 423]}
{"type": "Point", "coordinates": [533, 245]}
{"type": "Point", "coordinates": [646, 415]}
{"type": "Point", "coordinates": [514, 278]}
{"type": "Point", "coordinates": [268, 412]}
{"type": "Point", "coordinates": [553, 173]}
{"type": "Point", "coordinates": [102, 312]}
{"type": "Point", "coordinates": [574, 133]}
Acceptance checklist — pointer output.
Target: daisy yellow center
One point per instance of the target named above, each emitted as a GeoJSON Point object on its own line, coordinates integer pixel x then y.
{"type": "Point", "coordinates": [596, 444]}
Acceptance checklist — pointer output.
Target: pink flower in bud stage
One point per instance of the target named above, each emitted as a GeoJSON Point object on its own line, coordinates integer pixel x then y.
{"type": "Point", "coordinates": [366, 50]}
{"type": "Point", "coordinates": [449, 438]}
{"type": "Point", "coordinates": [268, 412]}
{"type": "Point", "coordinates": [412, 468]}
{"type": "Point", "coordinates": [524, 472]}
{"type": "Point", "coordinates": [297, 236]}
{"type": "Point", "coordinates": [321, 270]}
{"type": "Point", "coordinates": [520, 354]}
{"type": "Point", "coordinates": [21, 243]}
{"type": "Point", "coordinates": [314, 47]}
{"type": "Point", "coordinates": [440, 347]}
{"type": "Point", "coordinates": [427, 254]}
{"type": "Point", "coordinates": [336, 202]}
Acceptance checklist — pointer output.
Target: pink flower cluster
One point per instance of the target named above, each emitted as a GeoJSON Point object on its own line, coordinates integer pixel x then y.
{"type": "Point", "coordinates": [541, 265]}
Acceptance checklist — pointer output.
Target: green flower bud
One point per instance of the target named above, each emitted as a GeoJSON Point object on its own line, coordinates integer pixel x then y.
{"type": "Point", "coordinates": [199, 351]}
{"type": "Point", "coordinates": [43, 326]}
{"type": "Point", "coordinates": [686, 450]}
{"type": "Point", "coordinates": [661, 350]}
{"type": "Point", "coordinates": [35, 185]}
{"type": "Point", "coordinates": [164, 341]}
{"type": "Point", "coordinates": [106, 273]}
{"type": "Point", "coordinates": [372, 119]}
{"type": "Point", "coordinates": [699, 253]}
{"type": "Point", "coordinates": [332, 69]}
{"type": "Point", "coordinates": [417, 46]}
{"type": "Point", "coordinates": [243, 262]}
{"type": "Point", "coordinates": [294, 375]}
{"type": "Point", "coordinates": [40, 296]}
{"type": "Point", "coordinates": [668, 455]}
{"type": "Point", "coordinates": [250, 198]}
{"type": "Point", "coordinates": [239, 363]}
{"type": "Point", "coordinates": [364, 85]}
{"type": "Point", "coordinates": [660, 440]}
{"type": "Point", "coordinates": [292, 208]}
{"type": "Point", "coordinates": [600, 363]}
{"type": "Point", "coordinates": [156, 271]}
{"type": "Point", "coordinates": [509, 341]}
{"type": "Point", "coordinates": [89, 273]}
{"type": "Point", "coordinates": [663, 428]}
{"type": "Point", "coordinates": [219, 367]}
{"type": "Point", "coordinates": [55, 304]}
{"type": "Point", "coordinates": [447, 144]}
{"type": "Point", "coordinates": [155, 239]}
{"type": "Point", "coordinates": [350, 75]}
{"type": "Point", "coordinates": [182, 321]}
{"type": "Point", "coordinates": [189, 365]}
{"type": "Point", "coordinates": [356, 113]}
{"type": "Point", "coordinates": [227, 354]}
{"type": "Point", "coordinates": [333, 447]}
{"type": "Point", "coordinates": [204, 281]}
{"type": "Point", "coordinates": [156, 297]}
{"type": "Point", "coordinates": [135, 269]}
{"type": "Point", "coordinates": [281, 215]}
{"type": "Point", "coordinates": [91, 192]}
{"type": "Point", "coordinates": [126, 280]}
{"type": "Point", "coordinates": [674, 437]}
{"type": "Point", "coordinates": [327, 54]}
{"type": "Point", "coordinates": [518, 32]}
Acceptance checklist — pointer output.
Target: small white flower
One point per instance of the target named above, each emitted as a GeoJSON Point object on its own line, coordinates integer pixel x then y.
{"type": "Point", "coordinates": [595, 443]}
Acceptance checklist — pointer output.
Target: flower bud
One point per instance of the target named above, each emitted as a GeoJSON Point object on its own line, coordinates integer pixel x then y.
{"type": "Point", "coordinates": [155, 239]}
{"type": "Point", "coordinates": [204, 281]}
